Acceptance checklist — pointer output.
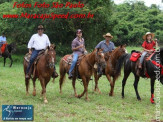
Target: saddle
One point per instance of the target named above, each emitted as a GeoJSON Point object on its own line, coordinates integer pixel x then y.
{"type": "Point", "coordinates": [28, 56]}
{"type": "Point", "coordinates": [68, 59]}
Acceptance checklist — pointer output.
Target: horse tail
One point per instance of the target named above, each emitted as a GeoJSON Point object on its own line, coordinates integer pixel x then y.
{"type": "Point", "coordinates": [120, 63]}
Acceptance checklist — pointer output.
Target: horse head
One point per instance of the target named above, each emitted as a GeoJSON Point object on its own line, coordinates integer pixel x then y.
{"type": "Point", "coordinates": [11, 47]}
{"type": "Point", "coordinates": [100, 58]}
{"type": "Point", "coordinates": [50, 55]}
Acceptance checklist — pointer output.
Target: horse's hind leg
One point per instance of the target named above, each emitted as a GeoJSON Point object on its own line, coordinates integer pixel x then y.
{"type": "Point", "coordinates": [136, 87]}
{"type": "Point", "coordinates": [34, 86]}
{"type": "Point", "coordinates": [96, 82]}
{"type": "Point", "coordinates": [111, 84]}
{"type": "Point", "coordinates": [27, 85]}
{"type": "Point", "coordinates": [10, 60]}
{"type": "Point", "coordinates": [62, 76]}
{"type": "Point", "coordinates": [126, 74]}
{"type": "Point", "coordinates": [73, 84]}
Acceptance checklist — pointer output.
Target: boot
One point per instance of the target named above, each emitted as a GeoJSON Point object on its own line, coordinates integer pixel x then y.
{"type": "Point", "coordinates": [55, 74]}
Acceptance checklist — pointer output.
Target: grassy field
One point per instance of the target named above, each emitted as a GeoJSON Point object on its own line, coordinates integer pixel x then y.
{"type": "Point", "coordinates": [66, 107]}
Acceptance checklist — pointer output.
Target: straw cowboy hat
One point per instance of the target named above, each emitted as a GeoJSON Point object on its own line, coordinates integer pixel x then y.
{"type": "Point", "coordinates": [108, 35]}
{"type": "Point", "coordinates": [148, 33]}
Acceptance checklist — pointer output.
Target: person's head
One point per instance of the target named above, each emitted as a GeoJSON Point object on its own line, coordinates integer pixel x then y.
{"type": "Point", "coordinates": [79, 33]}
{"type": "Point", "coordinates": [148, 36]}
{"type": "Point", "coordinates": [3, 34]}
{"type": "Point", "coordinates": [108, 36]}
{"type": "Point", "coordinates": [40, 29]}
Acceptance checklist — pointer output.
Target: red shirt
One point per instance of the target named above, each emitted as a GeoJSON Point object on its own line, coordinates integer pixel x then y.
{"type": "Point", "coordinates": [148, 46]}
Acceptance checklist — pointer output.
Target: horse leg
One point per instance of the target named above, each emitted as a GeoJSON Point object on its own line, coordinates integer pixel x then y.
{"type": "Point", "coordinates": [34, 86]}
{"type": "Point", "coordinates": [85, 87]}
{"type": "Point", "coordinates": [73, 84]}
{"type": "Point", "coordinates": [136, 87]}
{"type": "Point", "coordinates": [27, 86]}
{"type": "Point", "coordinates": [111, 85]}
{"type": "Point", "coordinates": [152, 91]}
{"type": "Point", "coordinates": [10, 60]}
{"type": "Point", "coordinates": [96, 82]}
{"type": "Point", "coordinates": [126, 74]}
{"type": "Point", "coordinates": [62, 76]}
{"type": "Point", "coordinates": [42, 81]}
{"type": "Point", "coordinates": [4, 61]}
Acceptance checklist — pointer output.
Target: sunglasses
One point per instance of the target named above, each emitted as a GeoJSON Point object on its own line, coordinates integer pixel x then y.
{"type": "Point", "coordinates": [40, 28]}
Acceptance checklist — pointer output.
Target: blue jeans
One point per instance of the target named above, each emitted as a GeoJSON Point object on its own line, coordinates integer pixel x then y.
{"type": "Point", "coordinates": [142, 56]}
{"type": "Point", "coordinates": [33, 57]}
{"type": "Point", "coordinates": [74, 60]}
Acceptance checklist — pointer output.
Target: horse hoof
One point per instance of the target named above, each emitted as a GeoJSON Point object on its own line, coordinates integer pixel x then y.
{"type": "Point", "coordinates": [60, 92]}
{"type": "Point", "coordinates": [139, 99]}
{"type": "Point", "coordinates": [34, 93]}
{"type": "Point", "coordinates": [76, 95]}
{"type": "Point", "coordinates": [99, 92]}
{"type": "Point", "coordinates": [79, 96]}
{"type": "Point", "coordinates": [45, 101]}
{"type": "Point", "coordinates": [123, 97]}
{"type": "Point", "coordinates": [87, 99]}
{"type": "Point", "coordinates": [27, 94]}
{"type": "Point", "coordinates": [110, 94]}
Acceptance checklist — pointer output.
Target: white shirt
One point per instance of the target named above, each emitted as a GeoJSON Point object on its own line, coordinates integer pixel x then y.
{"type": "Point", "coordinates": [2, 39]}
{"type": "Point", "coordinates": [39, 42]}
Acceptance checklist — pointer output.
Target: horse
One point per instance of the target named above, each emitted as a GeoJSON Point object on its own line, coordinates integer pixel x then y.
{"type": "Point", "coordinates": [10, 48]}
{"type": "Point", "coordinates": [151, 69]}
{"type": "Point", "coordinates": [85, 70]}
{"type": "Point", "coordinates": [110, 69]}
{"type": "Point", "coordinates": [42, 70]}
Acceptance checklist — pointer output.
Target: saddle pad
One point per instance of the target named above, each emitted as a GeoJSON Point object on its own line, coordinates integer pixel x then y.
{"type": "Point", "coordinates": [135, 56]}
{"type": "Point", "coordinates": [3, 48]}
{"type": "Point", "coordinates": [67, 59]}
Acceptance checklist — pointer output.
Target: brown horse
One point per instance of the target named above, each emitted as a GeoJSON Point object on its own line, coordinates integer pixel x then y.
{"type": "Point", "coordinates": [42, 70]}
{"type": "Point", "coordinates": [110, 70]}
{"type": "Point", "coordinates": [85, 70]}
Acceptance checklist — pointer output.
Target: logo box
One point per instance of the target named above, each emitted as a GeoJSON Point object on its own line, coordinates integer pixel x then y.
{"type": "Point", "coordinates": [17, 112]}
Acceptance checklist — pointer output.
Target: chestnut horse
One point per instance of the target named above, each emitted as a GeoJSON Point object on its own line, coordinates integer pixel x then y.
{"type": "Point", "coordinates": [85, 70]}
{"type": "Point", "coordinates": [110, 70]}
{"type": "Point", "coordinates": [42, 70]}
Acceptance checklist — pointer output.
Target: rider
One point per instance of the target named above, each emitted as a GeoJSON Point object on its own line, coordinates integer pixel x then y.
{"type": "Point", "coordinates": [78, 48]}
{"type": "Point", "coordinates": [38, 42]}
{"type": "Point", "coordinates": [148, 46]}
{"type": "Point", "coordinates": [107, 45]}
{"type": "Point", "coordinates": [2, 41]}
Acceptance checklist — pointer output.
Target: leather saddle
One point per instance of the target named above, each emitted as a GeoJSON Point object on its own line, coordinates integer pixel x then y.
{"type": "Point", "coordinates": [68, 59]}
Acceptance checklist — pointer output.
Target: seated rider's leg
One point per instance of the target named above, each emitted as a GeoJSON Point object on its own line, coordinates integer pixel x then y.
{"type": "Point", "coordinates": [142, 58]}
{"type": "Point", "coordinates": [99, 70]}
{"type": "Point", "coordinates": [33, 57]}
{"type": "Point", "coordinates": [74, 60]}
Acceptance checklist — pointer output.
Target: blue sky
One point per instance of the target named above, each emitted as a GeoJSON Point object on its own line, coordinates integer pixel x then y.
{"type": "Point", "coordinates": [147, 2]}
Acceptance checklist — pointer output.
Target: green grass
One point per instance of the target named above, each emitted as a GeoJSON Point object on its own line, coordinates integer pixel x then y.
{"type": "Point", "coordinates": [66, 107]}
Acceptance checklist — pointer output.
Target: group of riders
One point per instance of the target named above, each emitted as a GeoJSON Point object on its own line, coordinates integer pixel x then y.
{"type": "Point", "coordinates": [40, 41]}
{"type": "Point", "coordinates": [2, 41]}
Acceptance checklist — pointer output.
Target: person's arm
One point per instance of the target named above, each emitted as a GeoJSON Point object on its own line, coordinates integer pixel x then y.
{"type": "Point", "coordinates": [30, 44]}
{"type": "Point", "coordinates": [98, 45]}
{"type": "Point", "coordinates": [73, 45]}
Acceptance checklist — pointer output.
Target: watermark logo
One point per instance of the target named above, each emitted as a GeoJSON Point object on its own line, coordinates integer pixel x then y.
{"type": "Point", "coordinates": [17, 112]}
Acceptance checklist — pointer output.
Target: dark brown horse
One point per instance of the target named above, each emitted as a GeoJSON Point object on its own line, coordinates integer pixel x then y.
{"type": "Point", "coordinates": [110, 70]}
{"type": "Point", "coordinates": [42, 70]}
{"type": "Point", "coordinates": [85, 70]}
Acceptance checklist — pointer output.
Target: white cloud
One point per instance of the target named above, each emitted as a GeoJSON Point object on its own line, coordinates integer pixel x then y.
{"type": "Point", "coordinates": [147, 2]}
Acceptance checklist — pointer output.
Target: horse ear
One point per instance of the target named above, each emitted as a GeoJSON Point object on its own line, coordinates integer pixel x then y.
{"type": "Point", "coordinates": [121, 46]}
{"type": "Point", "coordinates": [124, 45]}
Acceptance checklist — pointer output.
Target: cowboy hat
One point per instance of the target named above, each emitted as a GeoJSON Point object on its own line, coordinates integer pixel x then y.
{"type": "Point", "coordinates": [148, 33]}
{"type": "Point", "coordinates": [108, 35]}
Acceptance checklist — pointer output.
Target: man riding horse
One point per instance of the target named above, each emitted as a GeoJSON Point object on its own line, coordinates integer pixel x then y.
{"type": "Point", "coordinates": [38, 42]}
{"type": "Point", "coordinates": [78, 48]}
{"type": "Point", "coordinates": [107, 45]}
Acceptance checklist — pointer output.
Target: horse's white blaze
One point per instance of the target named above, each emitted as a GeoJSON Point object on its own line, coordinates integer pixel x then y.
{"type": "Point", "coordinates": [102, 54]}
{"type": "Point", "coordinates": [52, 59]}
{"type": "Point", "coordinates": [126, 51]}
